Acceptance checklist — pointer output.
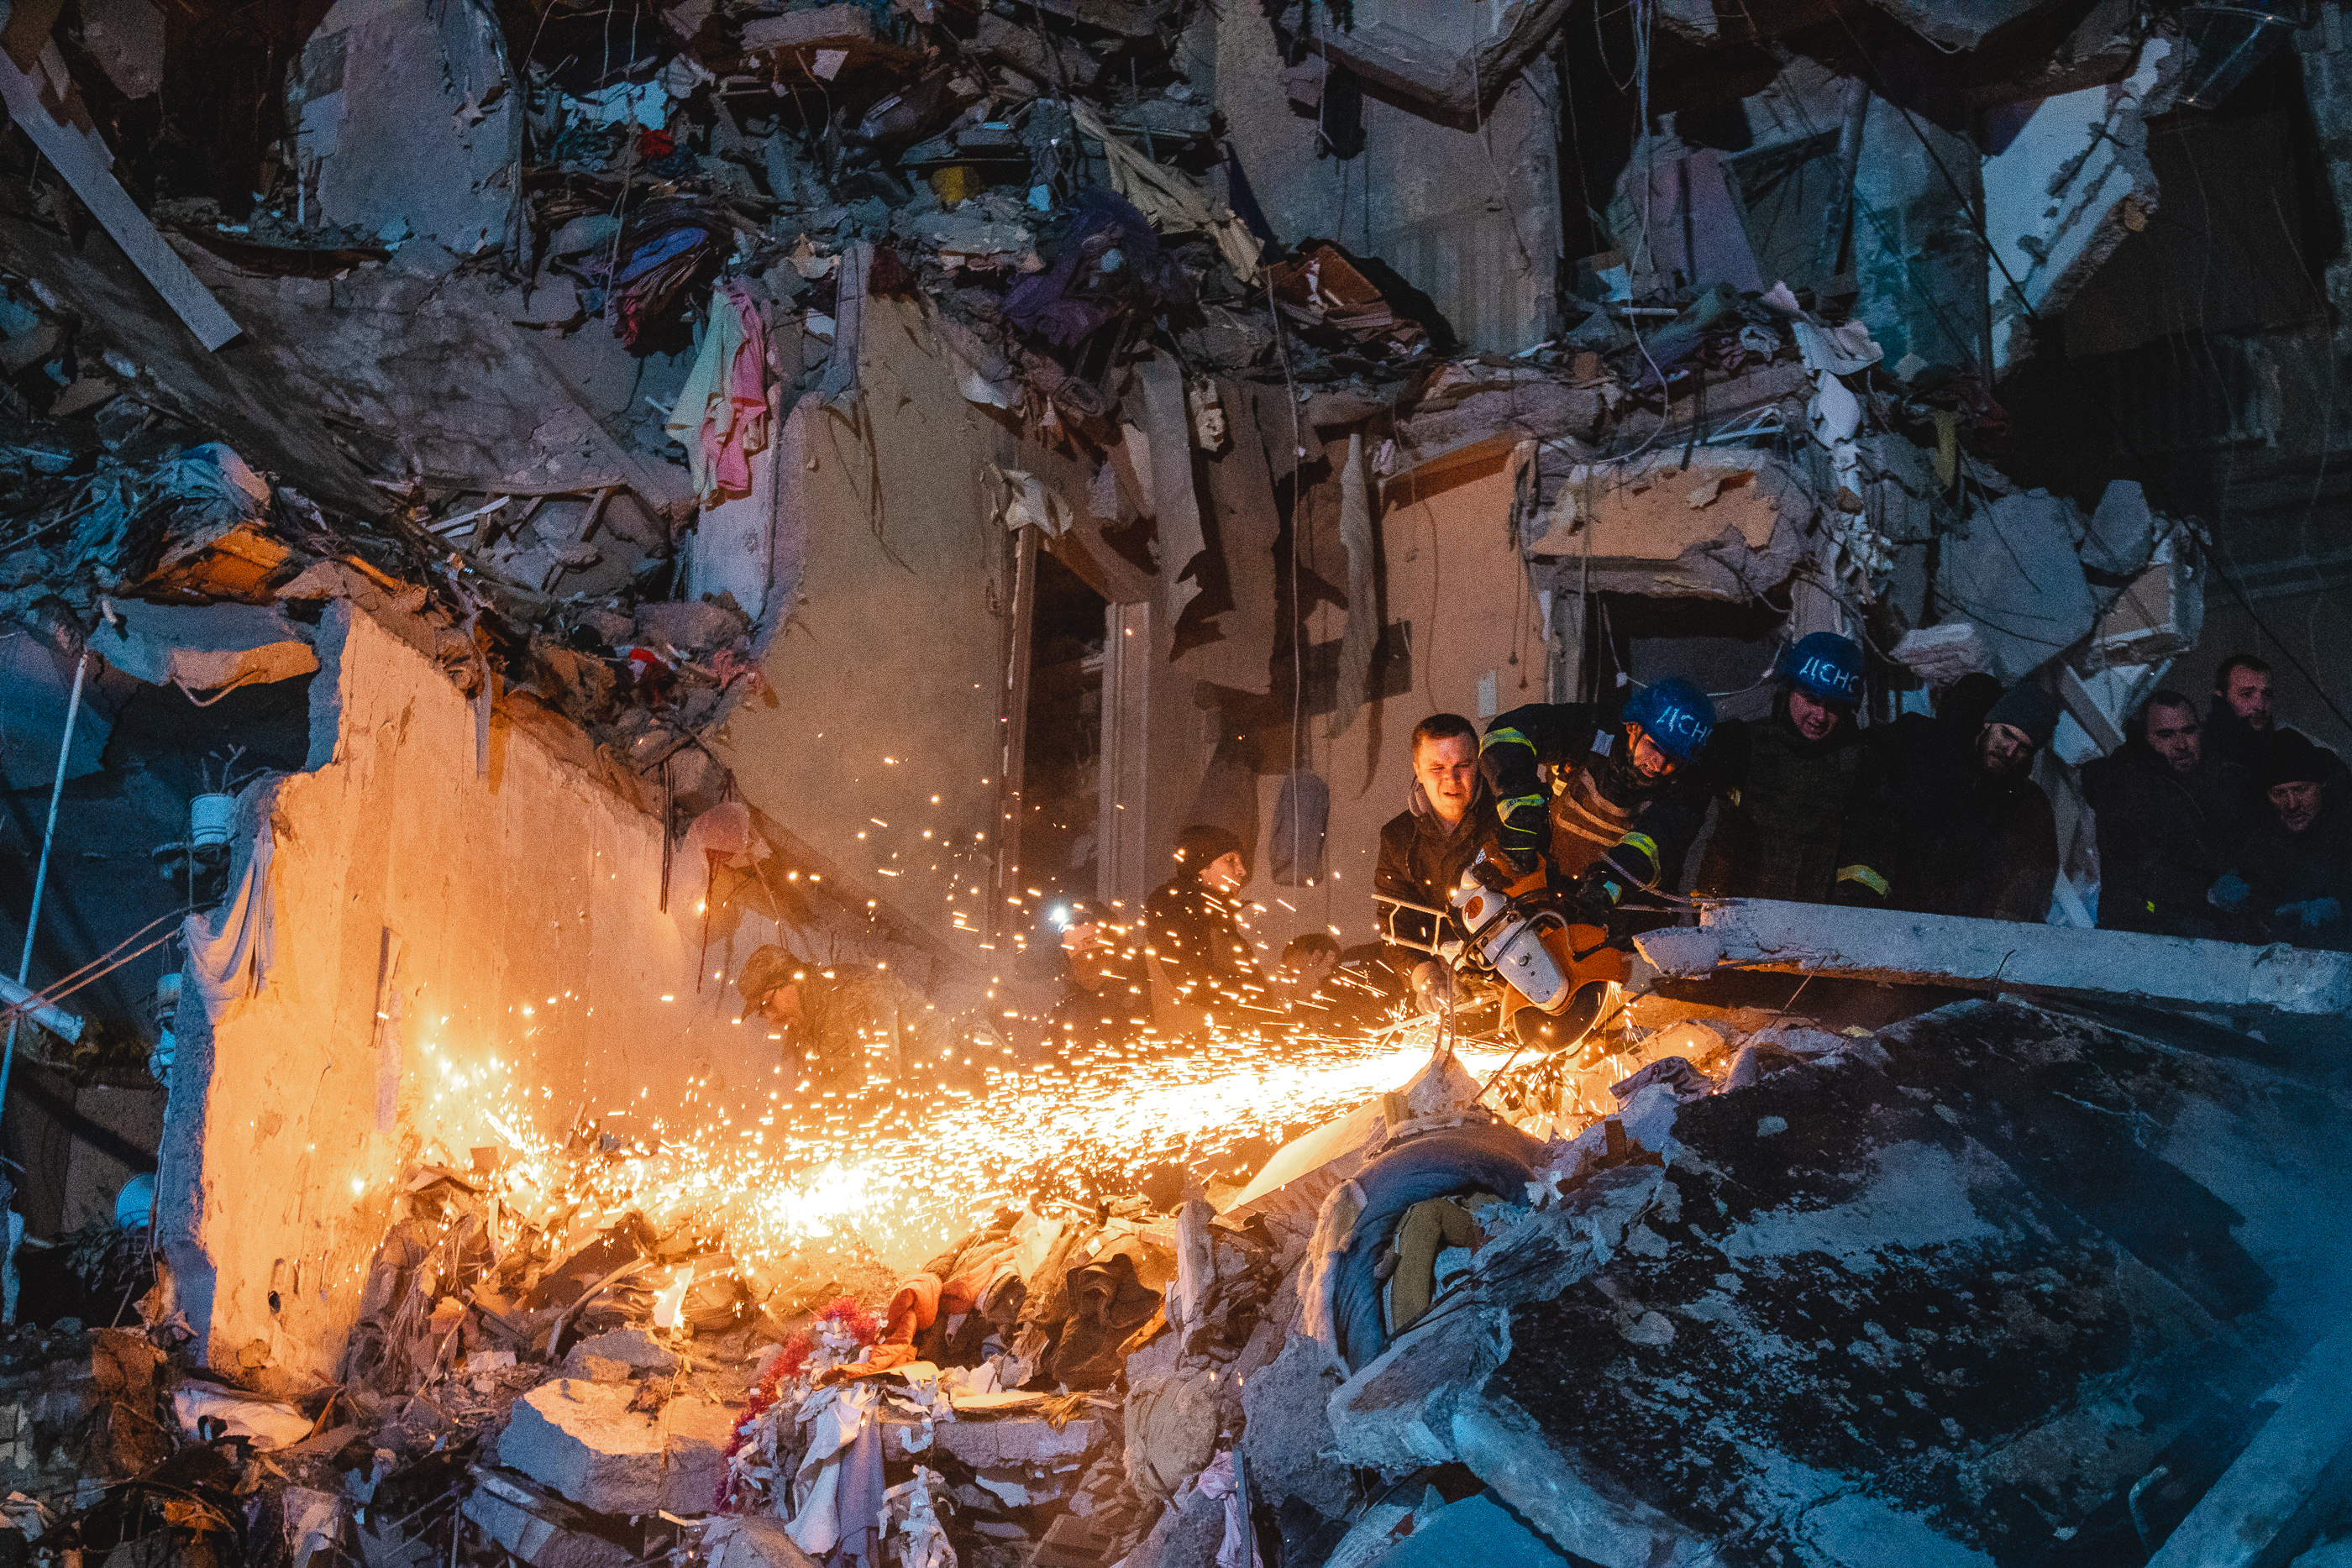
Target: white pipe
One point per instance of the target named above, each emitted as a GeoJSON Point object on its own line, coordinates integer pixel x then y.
{"type": "Point", "coordinates": [41, 877]}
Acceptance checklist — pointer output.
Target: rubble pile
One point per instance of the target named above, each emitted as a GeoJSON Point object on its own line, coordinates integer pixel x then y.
{"type": "Point", "coordinates": [1802, 1295]}
{"type": "Point", "coordinates": [600, 355]}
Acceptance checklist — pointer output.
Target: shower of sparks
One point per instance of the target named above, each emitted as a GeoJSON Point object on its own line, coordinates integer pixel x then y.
{"type": "Point", "coordinates": [897, 1176]}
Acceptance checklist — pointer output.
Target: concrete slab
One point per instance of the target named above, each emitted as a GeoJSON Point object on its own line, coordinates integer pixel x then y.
{"type": "Point", "coordinates": [2290, 1476]}
{"type": "Point", "coordinates": [536, 1526]}
{"type": "Point", "coordinates": [583, 1441]}
{"type": "Point", "coordinates": [1931, 1306]}
{"type": "Point", "coordinates": [1949, 950]}
{"type": "Point", "coordinates": [1476, 1530]}
{"type": "Point", "coordinates": [204, 648]}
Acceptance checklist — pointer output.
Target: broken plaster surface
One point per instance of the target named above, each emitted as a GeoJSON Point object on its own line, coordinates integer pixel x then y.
{"type": "Point", "coordinates": [408, 122]}
{"type": "Point", "coordinates": [1466, 216]}
{"type": "Point", "coordinates": [507, 928]}
{"type": "Point", "coordinates": [2054, 197]}
{"type": "Point", "coordinates": [1773, 1363]}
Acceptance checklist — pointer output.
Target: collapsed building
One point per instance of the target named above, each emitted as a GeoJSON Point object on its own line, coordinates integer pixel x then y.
{"type": "Point", "coordinates": [522, 518]}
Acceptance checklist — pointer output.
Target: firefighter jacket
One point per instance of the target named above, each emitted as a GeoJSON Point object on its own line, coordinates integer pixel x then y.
{"type": "Point", "coordinates": [1805, 821]}
{"type": "Point", "coordinates": [1599, 806]}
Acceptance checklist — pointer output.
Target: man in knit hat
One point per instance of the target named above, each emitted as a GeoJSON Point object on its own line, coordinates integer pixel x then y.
{"type": "Point", "coordinates": [2291, 875]}
{"type": "Point", "coordinates": [1192, 933]}
{"type": "Point", "coordinates": [1974, 833]}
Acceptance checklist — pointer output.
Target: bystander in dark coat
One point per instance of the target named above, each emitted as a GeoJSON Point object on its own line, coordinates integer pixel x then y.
{"type": "Point", "coordinates": [1192, 933]}
{"type": "Point", "coordinates": [2158, 820]}
{"type": "Point", "coordinates": [2291, 877]}
{"type": "Point", "coordinates": [1974, 833]}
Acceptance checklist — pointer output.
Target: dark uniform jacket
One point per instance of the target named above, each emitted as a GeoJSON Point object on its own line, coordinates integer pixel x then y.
{"type": "Point", "coordinates": [2289, 868]}
{"type": "Point", "coordinates": [1422, 862]}
{"type": "Point", "coordinates": [1200, 945]}
{"type": "Point", "coordinates": [2234, 752]}
{"type": "Point", "coordinates": [1966, 842]}
{"type": "Point", "coordinates": [2160, 842]}
{"type": "Point", "coordinates": [1805, 821]}
{"type": "Point", "coordinates": [1600, 802]}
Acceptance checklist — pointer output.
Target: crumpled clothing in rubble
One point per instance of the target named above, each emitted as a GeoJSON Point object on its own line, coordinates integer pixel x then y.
{"type": "Point", "coordinates": [1239, 1547]}
{"type": "Point", "coordinates": [1110, 259]}
{"type": "Point", "coordinates": [840, 1480]}
{"type": "Point", "coordinates": [1110, 1298]}
{"type": "Point", "coordinates": [662, 251]}
{"type": "Point", "coordinates": [721, 415]}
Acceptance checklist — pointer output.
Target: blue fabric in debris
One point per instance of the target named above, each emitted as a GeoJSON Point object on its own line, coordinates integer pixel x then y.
{"type": "Point", "coordinates": [1486, 1158]}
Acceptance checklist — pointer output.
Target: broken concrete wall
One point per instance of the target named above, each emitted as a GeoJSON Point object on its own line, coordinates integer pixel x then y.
{"type": "Point", "coordinates": [2070, 178]}
{"type": "Point", "coordinates": [880, 748]}
{"type": "Point", "coordinates": [1914, 246]}
{"type": "Point", "coordinates": [443, 941]}
{"type": "Point", "coordinates": [1453, 574]}
{"type": "Point", "coordinates": [1469, 216]}
{"type": "Point", "coordinates": [408, 121]}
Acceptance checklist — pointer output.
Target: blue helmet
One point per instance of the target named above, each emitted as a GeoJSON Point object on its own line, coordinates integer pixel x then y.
{"type": "Point", "coordinates": [1676, 714]}
{"type": "Point", "coordinates": [1825, 667]}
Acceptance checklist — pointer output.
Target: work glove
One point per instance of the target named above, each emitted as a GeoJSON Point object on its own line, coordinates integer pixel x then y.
{"type": "Point", "coordinates": [1859, 887]}
{"type": "Point", "coordinates": [1431, 984]}
{"type": "Point", "coordinates": [1597, 895]}
{"type": "Point", "coordinates": [2229, 893]}
{"type": "Point", "coordinates": [2311, 914]}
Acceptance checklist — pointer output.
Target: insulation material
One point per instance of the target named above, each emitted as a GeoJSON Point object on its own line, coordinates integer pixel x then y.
{"type": "Point", "coordinates": [1364, 628]}
{"type": "Point", "coordinates": [1240, 505]}
{"type": "Point", "coordinates": [1165, 471]}
{"type": "Point", "coordinates": [1941, 654]}
{"type": "Point", "coordinates": [1172, 202]}
{"type": "Point", "coordinates": [1301, 814]}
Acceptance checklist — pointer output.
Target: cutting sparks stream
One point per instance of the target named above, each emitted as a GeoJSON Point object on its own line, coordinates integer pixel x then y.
{"type": "Point", "coordinates": [896, 1174]}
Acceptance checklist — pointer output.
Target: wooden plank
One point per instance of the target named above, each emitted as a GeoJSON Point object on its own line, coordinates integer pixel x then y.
{"type": "Point", "coordinates": [51, 113]}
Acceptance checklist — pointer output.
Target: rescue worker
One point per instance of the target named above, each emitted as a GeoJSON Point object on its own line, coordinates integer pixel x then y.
{"type": "Point", "coordinates": [1425, 848]}
{"type": "Point", "coordinates": [1804, 814]}
{"type": "Point", "coordinates": [1192, 931]}
{"type": "Point", "coordinates": [1320, 995]}
{"type": "Point", "coordinates": [1974, 834]}
{"type": "Point", "coordinates": [2158, 824]}
{"type": "Point", "coordinates": [1100, 978]}
{"type": "Point", "coordinates": [1625, 800]}
{"type": "Point", "coordinates": [2292, 873]}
